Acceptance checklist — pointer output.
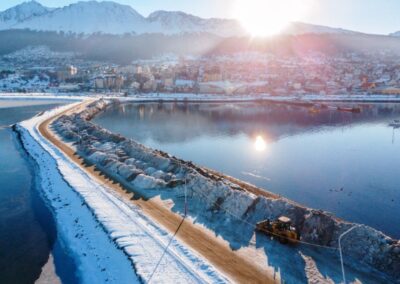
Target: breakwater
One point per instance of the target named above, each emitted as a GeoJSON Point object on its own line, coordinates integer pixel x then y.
{"type": "Point", "coordinates": [219, 202]}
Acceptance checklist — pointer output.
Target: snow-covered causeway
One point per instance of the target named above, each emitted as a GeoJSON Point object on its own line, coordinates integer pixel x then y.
{"type": "Point", "coordinates": [111, 241]}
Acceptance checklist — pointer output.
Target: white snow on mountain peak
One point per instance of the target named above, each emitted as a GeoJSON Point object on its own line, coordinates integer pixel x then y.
{"type": "Point", "coordinates": [168, 15]}
{"type": "Point", "coordinates": [89, 17]}
{"type": "Point", "coordinates": [173, 22]}
{"type": "Point", "coordinates": [303, 28]}
{"type": "Point", "coordinates": [395, 34]}
{"type": "Point", "coordinates": [21, 12]}
{"type": "Point", "coordinates": [108, 17]}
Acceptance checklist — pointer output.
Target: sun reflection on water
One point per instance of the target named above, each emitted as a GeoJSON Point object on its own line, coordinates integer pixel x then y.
{"type": "Point", "coordinates": [260, 145]}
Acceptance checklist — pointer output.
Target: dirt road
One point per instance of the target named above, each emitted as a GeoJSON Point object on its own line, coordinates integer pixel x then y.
{"type": "Point", "coordinates": [236, 265]}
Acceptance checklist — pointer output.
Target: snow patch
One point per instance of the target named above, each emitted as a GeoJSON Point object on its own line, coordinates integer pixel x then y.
{"type": "Point", "coordinates": [114, 236]}
{"type": "Point", "coordinates": [218, 203]}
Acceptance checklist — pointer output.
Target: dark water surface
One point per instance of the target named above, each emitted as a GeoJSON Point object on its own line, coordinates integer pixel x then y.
{"type": "Point", "coordinates": [345, 163]}
{"type": "Point", "coordinates": [26, 226]}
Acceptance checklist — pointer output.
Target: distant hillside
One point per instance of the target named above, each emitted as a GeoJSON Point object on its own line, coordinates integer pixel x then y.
{"type": "Point", "coordinates": [125, 48]}
{"type": "Point", "coordinates": [116, 48]}
{"type": "Point", "coordinates": [395, 34]}
{"type": "Point", "coordinates": [324, 43]}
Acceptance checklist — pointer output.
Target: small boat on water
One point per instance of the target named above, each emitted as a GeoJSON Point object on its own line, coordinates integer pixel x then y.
{"type": "Point", "coordinates": [349, 109]}
{"type": "Point", "coordinates": [320, 106]}
{"type": "Point", "coordinates": [314, 110]}
{"type": "Point", "coordinates": [395, 123]}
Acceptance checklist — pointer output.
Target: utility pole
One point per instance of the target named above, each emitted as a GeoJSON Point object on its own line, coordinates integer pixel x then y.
{"type": "Point", "coordinates": [340, 249]}
{"type": "Point", "coordinates": [186, 207]}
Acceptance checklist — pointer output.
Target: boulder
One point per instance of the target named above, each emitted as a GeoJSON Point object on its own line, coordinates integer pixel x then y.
{"type": "Point", "coordinates": [97, 157]}
{"type": "Point", "coordinates": [127, 172]}
{"type": "Point", "coordinates": [143, 181]}
{"type": "Point", "coordinates": [158, 174]}
{"type": "Point", "coordinates": [318, 228]}
{"type": "Point", "coordinates": [130, 161]}
{"type": "Point", "coordinates": [150, 170]}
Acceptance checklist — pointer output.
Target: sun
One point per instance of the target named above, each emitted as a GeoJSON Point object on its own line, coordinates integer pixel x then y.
{"type": "Point", "coordinates": [269, 17]}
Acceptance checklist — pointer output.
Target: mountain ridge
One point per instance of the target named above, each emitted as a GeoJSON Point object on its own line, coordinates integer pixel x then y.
{"type": "Point", "coordinates": [22, 12]}
{"type": "Point", "coordinates": [113, 18]}
{"type": "Point", "coordinates": [395, 34]}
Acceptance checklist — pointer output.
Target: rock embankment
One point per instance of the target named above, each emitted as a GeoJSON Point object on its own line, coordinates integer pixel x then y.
{"type": "Point", "coordinates": [217, 202]}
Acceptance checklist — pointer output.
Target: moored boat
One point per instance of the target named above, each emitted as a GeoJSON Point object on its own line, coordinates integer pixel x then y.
{"type": "Point", "coordinates": [395, 123]}
{"type": "Point", "coordinates": [350, 109]}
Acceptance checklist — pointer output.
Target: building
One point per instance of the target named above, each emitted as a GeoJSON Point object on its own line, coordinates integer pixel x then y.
{"type": "Point", "coordinates": [68, 72]}
{"type": "Point", "coordinates": [109, 82]}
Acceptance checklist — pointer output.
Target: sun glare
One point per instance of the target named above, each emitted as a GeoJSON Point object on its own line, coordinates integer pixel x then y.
{"type": "Point", "coordinates": [260, 145]}
{"type": "Point", "coordinates": [269, 17]}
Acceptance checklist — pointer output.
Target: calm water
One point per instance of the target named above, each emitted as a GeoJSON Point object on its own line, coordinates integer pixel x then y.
{"type": "Point", "coordinates": [26, 231]}
{"type": "Point", "coordinates": [345, 163]}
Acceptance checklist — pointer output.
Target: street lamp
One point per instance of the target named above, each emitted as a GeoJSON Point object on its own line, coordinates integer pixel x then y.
{"type": "Point", "coordinates": [340, 249]}
{"type": "Point", "coordinates": [185, 190]}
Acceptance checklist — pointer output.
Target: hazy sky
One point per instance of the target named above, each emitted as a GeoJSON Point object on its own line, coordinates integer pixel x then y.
{"type": "Point", "coordinates": [372, 16]}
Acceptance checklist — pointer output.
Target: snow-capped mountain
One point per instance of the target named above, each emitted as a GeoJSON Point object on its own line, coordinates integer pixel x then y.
{"type": "Point", "coordinates": [177, 22]}
{"type": "Point", "coordinates": [395, 34]}
{"type": "Point", "coordinates": [297, 28]}
{"type": "Point", "coordinates": [21, 13]}
{"type": "Point", "coordinates": [90, 17]}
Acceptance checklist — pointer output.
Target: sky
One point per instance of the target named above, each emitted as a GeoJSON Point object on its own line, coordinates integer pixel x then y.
{"type": "Point", "coordinates": [370, 16]}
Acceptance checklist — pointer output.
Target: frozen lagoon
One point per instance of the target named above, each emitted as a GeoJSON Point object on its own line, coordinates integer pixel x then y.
{"type": "Point", "coordinates": [341, 162]}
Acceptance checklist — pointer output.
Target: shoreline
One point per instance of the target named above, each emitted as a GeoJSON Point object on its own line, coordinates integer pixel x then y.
{"type": "Point", "coordinates": [191, 97]}
{"type": "Point", "coordinates": [48, 273]}
{"type": "Point", "coordinates": [315, 215]}
{"type": "Point", "coordinates": [235, 266]}
{"type": "Point", "coordinates": [111, 217]}
{"type": "Point", "coordinates": [129, 196]}
{"type": "Point", "coordinates": [71, 217]}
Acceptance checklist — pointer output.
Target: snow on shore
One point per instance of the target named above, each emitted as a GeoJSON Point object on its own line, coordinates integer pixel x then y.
{"type": "Point", "coordinates": [72, 194]}
{"type": "Point", "coordinates": [43, 96]}
{"type": "Point", "coordinates": [265, 97]}
{"type": "Point", "coordinates": [111, 241]}
{"type": "Point", "coordinates": [222, 206]}
{"type": "Point", "coordinates": [370, 98]}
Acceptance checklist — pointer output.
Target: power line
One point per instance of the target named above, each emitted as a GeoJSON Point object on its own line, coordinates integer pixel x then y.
{"type": "Point", "coordinates": [225, 210]}
{"type": "Point", "coordinates": [254, 226]}
{"type": "Point", "coordinates": [165, 250]}
{"type": "Point", "coordinates": [173, 236]}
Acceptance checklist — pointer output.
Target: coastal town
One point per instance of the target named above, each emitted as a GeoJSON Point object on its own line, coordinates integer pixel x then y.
{"type": "Point", "coordinates": [237, 141]}
{"type": "Point", "coordinates": [236, 74]}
